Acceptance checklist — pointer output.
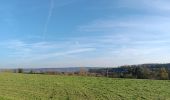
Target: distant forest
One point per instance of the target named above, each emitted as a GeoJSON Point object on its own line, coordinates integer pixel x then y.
{"type": "Point", "coordinates": [143, 71]}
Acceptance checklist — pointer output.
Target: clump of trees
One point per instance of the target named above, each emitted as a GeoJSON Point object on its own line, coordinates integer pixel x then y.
{"type": "Point", "coordinates": [161, 72]}
{"type": "Point", "coordinates": [81, 72]}
{"type": "Point", "coordinates": [137, 72]}
{"type": "Point", "coordinates": [20, 70]}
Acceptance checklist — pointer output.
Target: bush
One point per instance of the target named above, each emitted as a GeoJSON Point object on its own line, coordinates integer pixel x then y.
{"type": "Point", "coordinates": [20, 70]}
{"type": "Point", "coordinates": [163, 74]}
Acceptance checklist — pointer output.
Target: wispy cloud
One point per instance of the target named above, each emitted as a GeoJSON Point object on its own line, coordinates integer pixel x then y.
{"type": "Point", "coordinates": [136, 37]}
{"type": "Point", "coordinates": [151, 5]}
{"type": "Point", "coordinates": [48, 18]}
{"type": "Point", "coordinates": [43, 50]}
{"type": "Point", "coordinates": [53, 4]}
{"type": "Point", "coordinates": [159, 6]}
{"type": "Point", "coordinates": [61, 53]}
{"type": "Point", "coordinates": [133, 23]}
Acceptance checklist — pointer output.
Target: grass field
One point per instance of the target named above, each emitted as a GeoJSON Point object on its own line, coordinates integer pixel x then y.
{"type": "Point", "coordinates": [51, 87]}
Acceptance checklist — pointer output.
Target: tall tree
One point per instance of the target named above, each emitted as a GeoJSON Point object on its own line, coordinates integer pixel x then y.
{"type": "Point", "coordinates": [163, 74]}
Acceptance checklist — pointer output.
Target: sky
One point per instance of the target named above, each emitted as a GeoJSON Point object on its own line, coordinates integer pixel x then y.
{"type": "Point", "coordinates": [83, 33]}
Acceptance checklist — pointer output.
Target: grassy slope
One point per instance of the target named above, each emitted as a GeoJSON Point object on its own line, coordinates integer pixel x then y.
{"type": "Point", "coordinates": [49, 87]}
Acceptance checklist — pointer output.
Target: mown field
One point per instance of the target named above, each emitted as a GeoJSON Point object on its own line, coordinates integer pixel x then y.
{"type": "Point", "coordinates": [51, 87]}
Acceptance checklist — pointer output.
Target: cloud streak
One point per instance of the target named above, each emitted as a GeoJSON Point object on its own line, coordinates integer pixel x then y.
{"type": "Point", "coordinates": [48, 19]}
{"type": "Point", "coordinates": [42, 49]}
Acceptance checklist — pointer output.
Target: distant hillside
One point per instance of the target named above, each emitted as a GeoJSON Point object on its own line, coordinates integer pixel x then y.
{"type": "Point", "coordinates": [150, 66]}
{"type": "Point", "coordinates": [68, 69]}
{"type": "Point", "coordinates": [142, 71]}
{"type": "Point", "coordinates": [126, 67]}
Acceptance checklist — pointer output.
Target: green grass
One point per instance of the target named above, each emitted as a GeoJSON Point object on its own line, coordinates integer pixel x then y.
{"type": "Point", "coordinates": [51, 87]}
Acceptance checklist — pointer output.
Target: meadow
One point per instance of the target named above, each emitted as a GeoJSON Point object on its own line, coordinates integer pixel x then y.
{"type": "Point", "coordinates": [57, 87]}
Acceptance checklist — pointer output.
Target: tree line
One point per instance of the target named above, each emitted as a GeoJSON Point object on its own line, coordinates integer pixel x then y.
{"type": "Point", "coordinates": [136, 72]}
{"type": "Point", "coordinates": [145, 71]}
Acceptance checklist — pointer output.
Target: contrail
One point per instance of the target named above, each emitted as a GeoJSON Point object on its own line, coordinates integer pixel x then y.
{"type": "Point", "coordinates": [48, 18]}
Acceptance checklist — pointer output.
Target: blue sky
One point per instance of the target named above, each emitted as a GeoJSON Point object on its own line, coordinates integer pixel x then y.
{"type": "Point", "coordinates": [64, 33]}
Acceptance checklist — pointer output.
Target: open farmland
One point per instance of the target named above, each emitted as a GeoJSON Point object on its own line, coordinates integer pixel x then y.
{"type": "Point", "coordinates": [51, 87]}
